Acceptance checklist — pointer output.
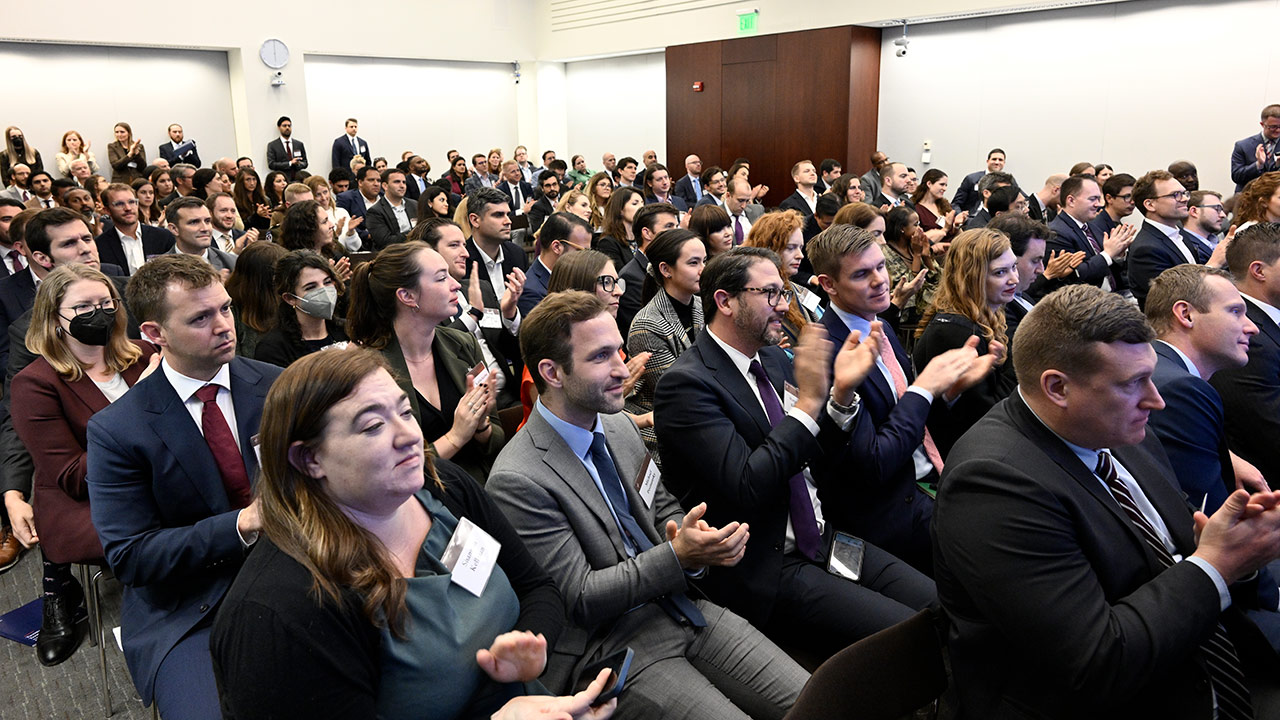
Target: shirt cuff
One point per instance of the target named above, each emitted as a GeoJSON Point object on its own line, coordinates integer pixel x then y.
{"type": "Point", "coordinates": [928, 396]}
{"type": "Point", "coordinates": [809, 423]}
{"type": "Point", "coordinates": [245, 540]}
{"type": "Point", "coordinates": [1107, 255]}
{"type": "Point", "coordinates": [1224, 595]}
{"type": "Point", "coordinates": [469, 322]}
{"type": "Point", "coordinates": [842, 419]}
{"type": "Point", "coordinates": [513, 325]}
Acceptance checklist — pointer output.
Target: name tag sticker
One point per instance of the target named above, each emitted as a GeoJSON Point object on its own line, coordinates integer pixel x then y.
{"type": "Point", "coordinates": [810, 301]}
{"type": "Point", "coordinates": [256, 442]}
{"type": "Point", "coordinates": [470, 557]}
{"type": "Point", "coordinates": [481, 374]}
{"type": "Point", "coordinates": [297, 153]}
{"type": "Point", "coordinates": [790, 393]}
{"type": "Point", "coordinates": [647, 481]}
{"type": "Point", "coordinates": [492, 319]}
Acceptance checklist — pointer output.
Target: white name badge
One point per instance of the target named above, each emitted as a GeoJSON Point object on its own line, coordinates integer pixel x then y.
{"type": "Point", "coordinates": [492, 319]}
{"type": "Point", "coordinates": [647, 481]}
{"type": "Point", "coordinates": [480, 374]}
{"type": "Point", "coordinates": [256, 441]}
{"type": "Point", "coordinates": [790, 393]}
{"type": "Point", "coordinates": [470, 556]}
{"type": "Point", "coordinates": [297, 153]}
{"type": "Point", "coordinates": [810, 301]}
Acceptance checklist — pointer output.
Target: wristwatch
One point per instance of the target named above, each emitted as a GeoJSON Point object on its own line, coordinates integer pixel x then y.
{"type": "Point", "coordinates": [476, 313]}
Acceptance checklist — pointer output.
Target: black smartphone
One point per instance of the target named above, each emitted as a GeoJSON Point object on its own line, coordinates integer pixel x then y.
{"type": "Point", "coordinates": [618, 664]}
{"type": "Point", "coordinates": [846, 554]}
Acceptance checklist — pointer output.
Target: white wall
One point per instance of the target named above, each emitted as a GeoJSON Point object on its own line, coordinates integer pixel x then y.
{"type": "Point", "coordinates": [617, 105]}
{"type": "Point", "coordinates": [55, 88]}
{"type": "Point", "coordinates": [1146, 83]}
{"type": "Point", "coordinates": [420, 105]}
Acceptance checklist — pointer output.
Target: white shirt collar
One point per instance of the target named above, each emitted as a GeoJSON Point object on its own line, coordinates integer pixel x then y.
{"type": "Point", "coordinates": [739, 360]}
{"type": "Point", "coordinates": [1270, 310]}
{"type": "Point", "coordinates": [186, 386]}
{"type": "Point", "coordinates": [490, 262]}
{"type": "Point", "coordinates": [1171, 232]}
{"type": "Point", "coordinates": [1191, 367]}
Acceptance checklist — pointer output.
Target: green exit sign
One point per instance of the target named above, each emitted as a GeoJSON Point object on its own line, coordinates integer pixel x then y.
{"type": "Point", "coordinates": [748, 23]}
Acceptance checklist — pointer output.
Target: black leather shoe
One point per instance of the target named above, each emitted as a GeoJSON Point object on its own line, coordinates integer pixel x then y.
{"type": "Point", "coordinates": [58, 637]}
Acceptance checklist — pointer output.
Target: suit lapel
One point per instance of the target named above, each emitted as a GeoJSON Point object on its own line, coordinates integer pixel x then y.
{"type": "Point", "coordinates": [1264, 322]}
{"type": "Point", "coordinates": [248, 393]}
{"type": "Point", "coordinates": [722, 369]}
{"type": "Point", "coordinates": [173, 424]}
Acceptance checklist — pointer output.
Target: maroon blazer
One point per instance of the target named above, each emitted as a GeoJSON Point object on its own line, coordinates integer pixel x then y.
{"type": "Point", "coordinates": [50, 415]}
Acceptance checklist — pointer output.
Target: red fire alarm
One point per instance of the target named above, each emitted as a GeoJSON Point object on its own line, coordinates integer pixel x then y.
{"type": "Point", "coordinates": [697, 87]}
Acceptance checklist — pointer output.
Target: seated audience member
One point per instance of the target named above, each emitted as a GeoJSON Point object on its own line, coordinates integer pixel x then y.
{"type": "Point", "coordinates": [163, 180]}
{"type": "Point", "coordinates": [938, 219]}
{"type": "Point", "coordinates": [805, 198]}
{"type": "Point", "coordinates": [1118, 203]}
{"type": "Point", "coordinates": [184, 181]}
{"type": "Point", "coordinates": [1027, 240]}
{"type": "Point", "coordinates": [741, 170]}
{"type": "Point", "coordinates": [576, 202]}
{"type": "Point", "coordinates": [170, 470]}
{"type": "Point", "coordinates": [742, 211]}
{"type": "Point", "coordinates": [307, 289]}
{"type": "Point", "coordinates": [10, 254]}
{"type": "Point", "coordinates": [126, 155]}
{"type": "Point", "coordinates": [306, 226]}
{"type": "Point", "coordinates": [519, 193]}
{"type": "Point", "coordinates": [1251, 394]}
{"type": "Point", "coordinates": [1104, 562]}
{"type": "Point", "coordinates": [745, 461]}
{"type": "Point", "coordinates": [712, 224]}
{"type": "Point", "coordinates": [847, 189]}
{"type": "Point", "coordinates": [497, 341]}
{"type": "Point", "coordinates": [1185, 172]}
{"type": "Point", "coordinates": [17, 187]}
{"type": "Point", "coordinates": [1085, 169]}
{"type": "Point", "coordinates": [344, 228]}
{"type": "Point", "coordinates": [1102, 172]}
{"type": "Point", "coordinates": [340, 180]}
{"type": "Point", "coordinates": [398, 300]}
{"type": "Point", "coordinates": [365, 627]}
{"type": "Point", "coordinates": [41, 185]}
{"type": "Point", "coordinates": [578, 175]}
{"type": "Point", "coordinates": [192, 227]}
{"type": "Point", "coordinates": [393, 215]}
{"type": "Point", "coordinates": [252, 289]}
{"type": "Point", "coordinates": [359, 200]}
{"type": "Point", "coordinates": [689, 187]}
{"type": "Point", "coordinates": [1206, 218]}
{"type": "Point", "coordinates": [1259, 201]}
{"type": "Point", "coordinates": [1255, 156]}
{"type": "Point", "coordinates": [222, 216]}
{"type": "Point", "coordinates": [1201, 327]}
{"type": "Point", "coordinates": [908, 252]}
{"type": "Point", "coordinates": [893, 187]}
{"type": "Point", "coordinates": [74, 148]}
{"type": "Point", "coordinates": [968, 195]}
{"type": "Point", "coordinates": [1161, 244]}
{"type": "Point", "coordinates": [81, 202]}
{"type": "Point", "coordinates": [892, 443]}
{"type": "Point", "coordinates": [1103, 265]}
{"type": "Point", "coordinates": [434, 203]}
{"type": "Point", "coordinates": [830, 171]}
{"type": "Point", "coordinates": [548, 194]}
{"type": "Point", "coordinates": [129, 242]}
{"type": "Point", "coordinates": [780, 233]}
{"type": "Point", "coordinates": [870, 180]}
{"type": "Point", "coordinates": [671, 318]}
{"type": "Point", "coordinates": [824, 213]}
{"type": "Point", "coordinates": [625, 580]}
{"type": "Point", "coordinates": [980, 279]}
{"type": "Point", "coordinates": [649, 221]}
{"type": "Point", "coordinates": [625, 173]}
{"type": "Point", "coordinates": [715, 181]}
{"type": "Point", "coordinates": [561, 234]}
{"type": "Point", "coordinates": [81, 172]}
{"type": "Point", "coordinates": [274, 186]}
{"type": "Point", "coordinates": [1044, 203]}
{"type": "Point", "coordinates": [149, 212]}
{"type": "Point", "coordinates": [599, 190]}
{"type": "Point", "coordinates": [986, 186]}
{"type": "Point", "coordinates": [480, 176]}
{"type": "Point", "coordinates": [616, 235]}
{"type": "Point", "coordinates": [85, 362]}
{"type": "Point", "coordinates": [657, 188]}
{"type": "Point", "coordinates": [454, 181]}
{"type": "Point", "coordinates": [865, 216]}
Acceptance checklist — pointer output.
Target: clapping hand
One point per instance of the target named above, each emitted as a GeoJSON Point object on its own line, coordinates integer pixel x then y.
{"type": "Point", "coordinates": [516, 656]}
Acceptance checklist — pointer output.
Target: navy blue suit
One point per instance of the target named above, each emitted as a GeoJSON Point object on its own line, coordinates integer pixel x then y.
{"type": "Point", "coordinates": [162, 513]}
{"type": "Point", "coordinates": [967, 196]}
{"type": "Point", "coordinates": [353, 202]}
{"type": "Point", "coordinates": [535, 286]}
{"type": "Point", "coordinates": [1251, 396]}
{"type": "Point", "coordinates": [1244, 161]}
{"type": "Point", "coordinates": [526, 192]}
{"type": "Point", "coordinates": [191, 157]}
{"type": "Point", "coordinates": [795, 201]}
{"type": "Point", "coordinates": [342, 153]}
{"type": "Point", "coordinates": [1071, 237]}
{"type": "Point", "coordinates": [684, 189]}
{"type": "Point", "coordinates": [155, 241]}
{"type": "Point", "coordinates": [880, 502]}
{"type": "Point", "coordinates": [673, 200]}
{"type": "Point", "coordinates": [1153, 252]}
{"type": "Point", "coordinates": [1191, 428]}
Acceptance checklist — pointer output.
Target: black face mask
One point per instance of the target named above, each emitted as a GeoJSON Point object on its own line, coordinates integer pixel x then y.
{"type": "Point", "coordinates": [19, 143]}
{"type": "Point", "coordinates": [94, 328]}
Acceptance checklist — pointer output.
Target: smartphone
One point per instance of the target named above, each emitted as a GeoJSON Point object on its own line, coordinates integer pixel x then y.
{"type": "Point", "coordinates": [845, 558]}
{"type": "Point", "coordinates": [618, 664]}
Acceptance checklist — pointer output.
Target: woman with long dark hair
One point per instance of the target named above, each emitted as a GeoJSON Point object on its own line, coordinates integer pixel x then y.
{"type": "Point", "coordinates": [253, 297]}
{"type": "Point", "coordinates": [307, 289]}
{"type": "Point", "coordinates": [454, 179]}
{"type": "Point", "coordinates": [434, 202]}
{"type": "Point", "coordinates": [616, 239]}
{"type": "Point", "coordinates": [251, 200]}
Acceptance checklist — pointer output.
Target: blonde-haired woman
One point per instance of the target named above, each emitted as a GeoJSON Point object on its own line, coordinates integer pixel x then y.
{"type": "Point", "coordinates": [344, 227]}
{"type": "Point", "coordinates": [577, 203]}
{"type": "Point", "coordinates": [17, 151]}
{"type": "Point", "coordinates": [85, 362]}
{"type": "Point", "coordinates": [73, 148]}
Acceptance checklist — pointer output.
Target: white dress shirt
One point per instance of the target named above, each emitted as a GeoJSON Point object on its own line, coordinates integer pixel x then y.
{"type": "Point", "coordinates": [186, 388]}
{"type": "Point", "coordinates": [493, 268]}
{"type": "Point", "coordinates": [1176, 238]}
{"type": "Point", "coordinates": [133, 251]}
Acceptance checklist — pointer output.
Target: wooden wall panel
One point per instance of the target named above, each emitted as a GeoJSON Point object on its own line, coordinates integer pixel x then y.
{"type": "Point", "coordinates": [864, 98]}
{"type": "Point", "coordinates": [747, 126]}
{"type": "Point", "coordinates": [693, 118]}
{"type": "Point", "coordinates": [813, 101]}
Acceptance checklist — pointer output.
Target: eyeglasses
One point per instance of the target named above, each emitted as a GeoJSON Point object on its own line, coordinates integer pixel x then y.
{"type": "Point", "coordinates": [773, 293]}
{"type": "Point", "coordinates": [1216, 208]}
{"type": "Point", "coordinates": [81, 309]}
{"type": "Point", "coordinates": [1179, 195]}
{"type": "Point", "coordinates": [576, 246]}
{"type": "Point", "coordinates": [124, 203]}
{"type": "Point", "coordinates": [1125, 197]}
{"type": "Point", "coordinates": [608, 282]}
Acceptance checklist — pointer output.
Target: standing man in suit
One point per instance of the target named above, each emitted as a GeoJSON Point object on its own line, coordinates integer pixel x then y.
{"type": "Point", "coordinates": [347, 146]}
{"type": "Point", "coordinates": [891, 444]}
{"type": "Point", "coordinates": [170, 471]}
{"type": "Point", "coordinates": [1161, 244]}
{"type": "Point", "coordinates": [562, 233]}
{"type": "Point", "coordinates": [1102, 267]}
{"type": "Point", "coordinates": [1058, 526]}
{"type": "Point", "coordinates": [968, 195]}
{"type": "Point", "coordinates": [285, 153]}
{"type": "Point", "coordinates": [357, 200]}
{"type": "Point", "coordinates": [1255, 155]}
{"type": "Point", "coordinates": [893, 187]}
{"type": "Point", "coordinates": [689, 187]}
{"type": "Point", "coordinates": [1044, 202]}
{"type": "Point", "coordinates": [548, 194]}
{"type": "Point", "coordinates": [392, 217]}
{"type": "Point", "coordinates": [742, 212]}
{"type": "Point", "coordinates": [623, 557]}
{"type": "Point", "coordinates": [11, 260]}
{"type": "Point", "coordinates": [519, 193]}
{"type": "Point", "coordinates": [1251, 394]}
{"type": "Point", "coordinates": [872, 179]}
{"type": "Point", "coordinates": [192, 227]}
{"type": "Point", "coordinates": [179, 149]}
{"type": "Point", "coordinates": [128, 243]}
{"type": "Point", "coordinates": [738, 427]}
{"type": "Point", "coordinates": [805, 198]}
{"type": "Point", "coordinates": [1201, 327]}
{"type": "Point", "coordinates": [1118, 203]}
{"type": "Point", "coordinates": [416, 178]}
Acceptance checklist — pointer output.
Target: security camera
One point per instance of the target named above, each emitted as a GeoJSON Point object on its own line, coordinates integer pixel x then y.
{"type": "Point", "coordinates": [902, 52]}
{"type": "Point", "coordinates": [902, 42]}
{"type": "Point", "coordinates": [278, 79]}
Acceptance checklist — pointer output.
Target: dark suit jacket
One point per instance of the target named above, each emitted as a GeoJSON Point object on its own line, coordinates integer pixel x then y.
{"type": "Point", "coordinates": [673, 200]}
{"type": "Point", "coordinates": [1251, 396]}
{"type": "Point", "coordinates": [1192, 429]}
{"type": "Point", "coordinates": [1045, 216]}
{"type": "Point", "coordinates": [55, 414]}
{"type": "Point", "coordinates": [1244, 161]}
{"type": "Point", "coordinates": [709, 199]}
{"type": "Point", "coordinates": [881, 200]}
{"type": "Point", "coordinates": [967, 196]}
{"type": "Point", "coordinates": [353, 202]}
{"type": "Point", "coordinates": [384, 228]}
{"type": "Point", "coordinates": [278, 160]}
{"type": "Point", "coordinates": [717, 447]}
{"type": "Point", "coordinates": [341, 155]}
{"type": "Point", "coordinates": [191, 157]}
{"type": "Point", "coordinates": [504, 345]}
{"type": "Point", "coordinates": [1032, 552]}
{"type": "Point", "coordinates": [1071, 237]}
{"type": "Point", "coordinates": [1013, 314]}
{"type": "Point", "coordinates": [683, 189]}
{"type": "Point", "coordinates": [795, 201]}
{"type": "Point", "coordinates": [526, 192]}
{"type": "Point", "coordinates": [633, 273]}
{"type": "Point", "coordinates": [1153, 252]}
{"type": "Point", "coordinates": [978, 219]}
{"type": "Point", "coordinates": [513, 256]}
{"type": "Point", "coordinates": [535, 286]}
{"type": "Point", "coordinates": [539, 212]}
{"type": "Point", "coordinates": [157, 499]}
{"type": "Point", "coordinates": [412, 191]}
{"type": "Point", "coordinates": [155, 241]}
{"type": "Point", "coordinates": [880, 503]}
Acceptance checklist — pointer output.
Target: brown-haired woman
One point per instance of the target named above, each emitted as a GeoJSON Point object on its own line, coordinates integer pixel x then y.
{"type": "Point", "coordinates": [86, 362]}
{"type": "Point", "coordinates": [398, 300]}
{"type": "Point", "coordinates": [349, 607]}
{"type": "Point", "coordinates": [616, 239]}
{"type": "Point", "coordinates": [127, 156]}
{"type": "Point", "coordinates": [252, 290]}
{"type": "Point", "coordinates": [307, 290]}
{"type": "Point", "coordinates": [599, 190]}
{"type": "Point", "coordinates": [1259, 201]}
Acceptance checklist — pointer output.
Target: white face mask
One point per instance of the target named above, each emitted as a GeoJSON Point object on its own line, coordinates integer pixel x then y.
{"type": "Point", "coordinates": [319, 302]}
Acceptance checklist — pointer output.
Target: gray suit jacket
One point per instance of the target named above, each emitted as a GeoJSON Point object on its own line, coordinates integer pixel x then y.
{"type": "Point", "coordinates": [219, 259]}
{"type": "Point", "coordinates": [551, 500]}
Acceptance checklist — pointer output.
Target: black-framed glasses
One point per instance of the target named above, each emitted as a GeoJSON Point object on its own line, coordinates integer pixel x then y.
{"type": "Point", "coordinates": [81, 309]}
{"type": "Point", "coordinates": [609, 282]}
{"type": "Point", "coordinates": [771, 294]}
{"type": "Point", "coordinates": [1216, 208]}
{"type": "Point", "coordinates": [1176, 195]}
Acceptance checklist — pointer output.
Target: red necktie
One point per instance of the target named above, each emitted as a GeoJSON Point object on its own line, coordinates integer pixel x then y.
{"type": "Point", "coordinates": [16, 258]}
{"type": "Point", "coordinates": [223, 446]}
{"type": "Point", "coordinates": [900, 386]}
{"type": "Point", "coordinates": [288, 150]}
